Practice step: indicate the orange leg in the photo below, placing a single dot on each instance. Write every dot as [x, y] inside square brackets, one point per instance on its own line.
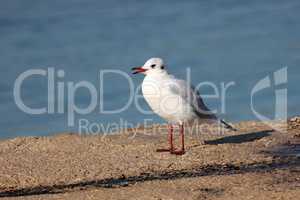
[170, 138]
[182, 150]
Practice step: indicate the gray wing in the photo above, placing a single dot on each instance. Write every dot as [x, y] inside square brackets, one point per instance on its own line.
[190, 95]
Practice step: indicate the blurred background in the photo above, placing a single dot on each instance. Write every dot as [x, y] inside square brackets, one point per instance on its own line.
[221, 41]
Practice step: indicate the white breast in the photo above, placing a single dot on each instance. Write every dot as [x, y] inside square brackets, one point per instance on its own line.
[167, 104]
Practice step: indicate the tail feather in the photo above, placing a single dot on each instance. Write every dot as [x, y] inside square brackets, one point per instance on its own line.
[228, 126]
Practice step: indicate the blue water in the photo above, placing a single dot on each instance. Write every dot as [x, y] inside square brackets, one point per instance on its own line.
[221, 41]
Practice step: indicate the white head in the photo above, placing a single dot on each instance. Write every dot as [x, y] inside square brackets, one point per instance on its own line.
[151, 66]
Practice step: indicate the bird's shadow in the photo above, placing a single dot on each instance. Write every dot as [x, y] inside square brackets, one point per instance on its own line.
[237, 139]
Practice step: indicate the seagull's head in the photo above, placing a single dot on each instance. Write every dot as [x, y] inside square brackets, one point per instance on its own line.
[151, 66]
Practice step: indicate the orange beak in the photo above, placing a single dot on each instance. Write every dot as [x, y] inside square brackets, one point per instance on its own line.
[137, 70]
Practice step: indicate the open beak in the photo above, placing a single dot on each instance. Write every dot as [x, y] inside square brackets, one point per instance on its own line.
[136, 70]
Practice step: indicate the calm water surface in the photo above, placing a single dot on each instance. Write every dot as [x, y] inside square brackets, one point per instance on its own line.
[240, 41]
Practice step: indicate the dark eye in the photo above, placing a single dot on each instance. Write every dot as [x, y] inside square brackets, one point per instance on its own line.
[153, 65]
[162, 67]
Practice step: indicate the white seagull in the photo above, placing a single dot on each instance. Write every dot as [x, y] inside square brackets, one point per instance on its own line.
[173, 99]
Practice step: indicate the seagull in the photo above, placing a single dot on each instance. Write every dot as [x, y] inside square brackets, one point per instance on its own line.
[173, 99]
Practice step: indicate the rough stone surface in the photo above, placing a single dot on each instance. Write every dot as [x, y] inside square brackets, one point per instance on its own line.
[256, 162]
